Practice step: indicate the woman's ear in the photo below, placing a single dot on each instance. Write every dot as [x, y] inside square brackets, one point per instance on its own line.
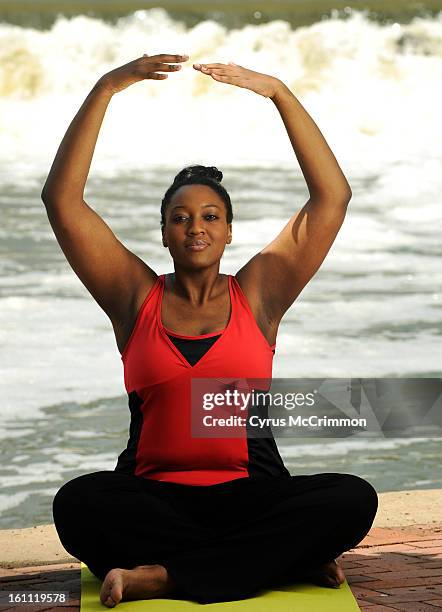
[229, 234]
[163, 238]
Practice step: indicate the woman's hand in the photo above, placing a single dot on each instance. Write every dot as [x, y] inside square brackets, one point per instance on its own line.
[146, 67]
[262, 84]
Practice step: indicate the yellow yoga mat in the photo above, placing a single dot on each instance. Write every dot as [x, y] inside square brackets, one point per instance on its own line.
[297, 598]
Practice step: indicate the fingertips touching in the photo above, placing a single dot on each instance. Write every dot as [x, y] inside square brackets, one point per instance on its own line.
[201, 68]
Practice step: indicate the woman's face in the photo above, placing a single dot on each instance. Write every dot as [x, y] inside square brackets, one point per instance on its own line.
[196, 229]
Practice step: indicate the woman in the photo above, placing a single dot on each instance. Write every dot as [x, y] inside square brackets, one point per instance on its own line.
[210, 519]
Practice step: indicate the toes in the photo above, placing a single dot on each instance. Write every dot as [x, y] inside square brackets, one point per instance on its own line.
[106, 599]
[110, 603]
[111, 589]
[339, 573]
[329, 575]
[326, 580]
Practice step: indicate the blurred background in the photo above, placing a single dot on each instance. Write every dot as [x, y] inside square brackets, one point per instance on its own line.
[369, 73]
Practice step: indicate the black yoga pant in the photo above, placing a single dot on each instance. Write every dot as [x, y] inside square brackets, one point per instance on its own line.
[220, 542]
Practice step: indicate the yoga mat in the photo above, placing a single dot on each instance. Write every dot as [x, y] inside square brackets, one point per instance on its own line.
[299, 597]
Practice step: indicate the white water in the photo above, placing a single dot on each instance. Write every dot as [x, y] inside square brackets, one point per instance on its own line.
[375, 90]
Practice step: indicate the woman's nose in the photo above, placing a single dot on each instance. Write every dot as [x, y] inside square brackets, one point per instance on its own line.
[196, 226]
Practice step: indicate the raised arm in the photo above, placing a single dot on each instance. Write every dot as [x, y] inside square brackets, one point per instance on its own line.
[112, 274]
[275, 276]
[283, 268]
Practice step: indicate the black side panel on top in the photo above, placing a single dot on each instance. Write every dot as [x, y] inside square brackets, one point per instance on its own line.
[126, 460]
[264, 457]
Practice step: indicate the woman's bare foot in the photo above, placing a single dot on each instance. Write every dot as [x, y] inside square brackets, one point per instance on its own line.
[141, 582]
[329, 574]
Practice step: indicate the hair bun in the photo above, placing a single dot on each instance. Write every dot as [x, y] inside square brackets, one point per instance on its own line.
[210, 172]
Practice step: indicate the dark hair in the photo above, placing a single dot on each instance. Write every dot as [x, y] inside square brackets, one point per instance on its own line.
[199, 175]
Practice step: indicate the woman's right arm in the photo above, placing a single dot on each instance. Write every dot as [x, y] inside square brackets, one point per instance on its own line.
[111, 273]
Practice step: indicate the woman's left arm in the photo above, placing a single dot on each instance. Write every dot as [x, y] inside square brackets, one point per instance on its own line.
[278, 273]
[295, 255]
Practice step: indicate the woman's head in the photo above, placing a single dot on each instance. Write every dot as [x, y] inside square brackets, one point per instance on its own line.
[196, 217]
[198, 175]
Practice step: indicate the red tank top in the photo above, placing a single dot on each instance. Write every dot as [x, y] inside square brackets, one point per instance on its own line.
[158, 379]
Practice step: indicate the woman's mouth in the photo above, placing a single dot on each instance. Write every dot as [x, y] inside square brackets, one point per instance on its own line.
[196, 245]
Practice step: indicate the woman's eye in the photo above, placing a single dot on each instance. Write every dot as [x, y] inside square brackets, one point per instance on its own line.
[181, 218]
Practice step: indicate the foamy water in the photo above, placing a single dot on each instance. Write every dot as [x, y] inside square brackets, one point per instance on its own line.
[374, 309]
[374, 90]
